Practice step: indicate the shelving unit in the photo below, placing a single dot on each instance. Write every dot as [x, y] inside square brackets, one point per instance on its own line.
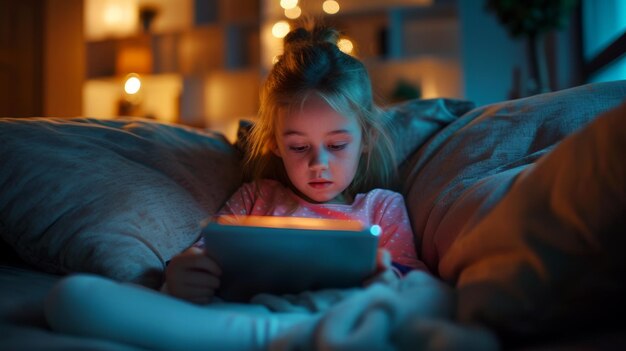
[181, 65]
[415, 42]
[206, 68]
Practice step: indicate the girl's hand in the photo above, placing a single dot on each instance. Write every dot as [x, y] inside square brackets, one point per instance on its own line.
[193, 276]
[384, 270]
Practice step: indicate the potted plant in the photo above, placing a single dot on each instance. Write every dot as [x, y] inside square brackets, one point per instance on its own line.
[532, 19]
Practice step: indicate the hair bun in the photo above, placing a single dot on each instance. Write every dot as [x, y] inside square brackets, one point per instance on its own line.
[301, 36]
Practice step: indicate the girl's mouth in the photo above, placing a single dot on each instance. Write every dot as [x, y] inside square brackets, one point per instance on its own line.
[320, 184]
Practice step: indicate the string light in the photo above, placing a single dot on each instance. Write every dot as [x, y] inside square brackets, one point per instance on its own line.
[288, 4]
[345, 45]
[331, 7]
[280, 29]
[293, 13]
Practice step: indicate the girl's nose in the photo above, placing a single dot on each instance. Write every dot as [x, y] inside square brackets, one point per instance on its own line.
[319, 160]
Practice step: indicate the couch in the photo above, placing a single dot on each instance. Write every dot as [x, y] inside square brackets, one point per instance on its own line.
[518, 206]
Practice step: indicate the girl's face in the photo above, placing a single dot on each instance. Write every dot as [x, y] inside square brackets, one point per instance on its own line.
[320, 149]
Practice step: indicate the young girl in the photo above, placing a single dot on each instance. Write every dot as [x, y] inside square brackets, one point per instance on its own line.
[318, 150]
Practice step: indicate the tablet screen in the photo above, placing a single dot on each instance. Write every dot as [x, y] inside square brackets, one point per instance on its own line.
[289, 255]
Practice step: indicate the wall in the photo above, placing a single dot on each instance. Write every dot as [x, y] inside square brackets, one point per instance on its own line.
[21, 38]
[491, 57]
[64, 58]
[435, 76]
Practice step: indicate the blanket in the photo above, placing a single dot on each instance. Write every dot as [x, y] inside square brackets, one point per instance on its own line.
[416, 312]
[397, 314]
[548, 258]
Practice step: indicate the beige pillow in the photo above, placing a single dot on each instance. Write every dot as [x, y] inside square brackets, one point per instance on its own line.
[117, 198]
[549, 258]
[466, 168]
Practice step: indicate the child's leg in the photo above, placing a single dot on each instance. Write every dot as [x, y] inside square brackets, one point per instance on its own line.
[93, 306]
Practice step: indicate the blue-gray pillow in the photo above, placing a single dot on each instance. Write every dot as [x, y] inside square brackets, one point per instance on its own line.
[115, 197]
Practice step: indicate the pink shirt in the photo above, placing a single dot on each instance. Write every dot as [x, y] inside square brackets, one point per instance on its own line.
[382, 207]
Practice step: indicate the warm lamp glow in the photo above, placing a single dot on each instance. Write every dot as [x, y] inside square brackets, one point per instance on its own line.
[115, 15]
[132, 84]
[293, 13]
[271, 45]
[280, 29]
[107, 18]
[345, 45]
[331, 7]
[134, 59]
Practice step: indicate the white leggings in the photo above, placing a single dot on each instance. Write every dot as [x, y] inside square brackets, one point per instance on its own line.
[97, 307]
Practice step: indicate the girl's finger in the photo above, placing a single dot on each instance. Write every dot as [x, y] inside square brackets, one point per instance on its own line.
[383, 259]
[200, 279]
[196, 258]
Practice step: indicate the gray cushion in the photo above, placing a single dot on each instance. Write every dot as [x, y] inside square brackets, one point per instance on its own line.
[117, 197]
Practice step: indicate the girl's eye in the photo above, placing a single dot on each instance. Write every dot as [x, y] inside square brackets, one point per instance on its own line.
[337, 147]
[299, 148]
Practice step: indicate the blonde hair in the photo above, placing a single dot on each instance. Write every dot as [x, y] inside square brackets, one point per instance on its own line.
[313, 64]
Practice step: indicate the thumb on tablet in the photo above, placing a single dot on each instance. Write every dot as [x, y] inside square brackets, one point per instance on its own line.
[383, 260]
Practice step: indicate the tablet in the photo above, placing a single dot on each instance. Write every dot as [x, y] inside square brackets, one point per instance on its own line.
[288, 255]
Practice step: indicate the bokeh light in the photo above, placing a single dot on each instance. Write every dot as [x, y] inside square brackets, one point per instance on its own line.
[280, 29]
[331, 7]
[288, 4]
[293, 13]
[132, 84]
[345, 45]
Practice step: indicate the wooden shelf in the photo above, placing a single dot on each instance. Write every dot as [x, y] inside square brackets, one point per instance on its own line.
[224, 35]
[197, 51]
